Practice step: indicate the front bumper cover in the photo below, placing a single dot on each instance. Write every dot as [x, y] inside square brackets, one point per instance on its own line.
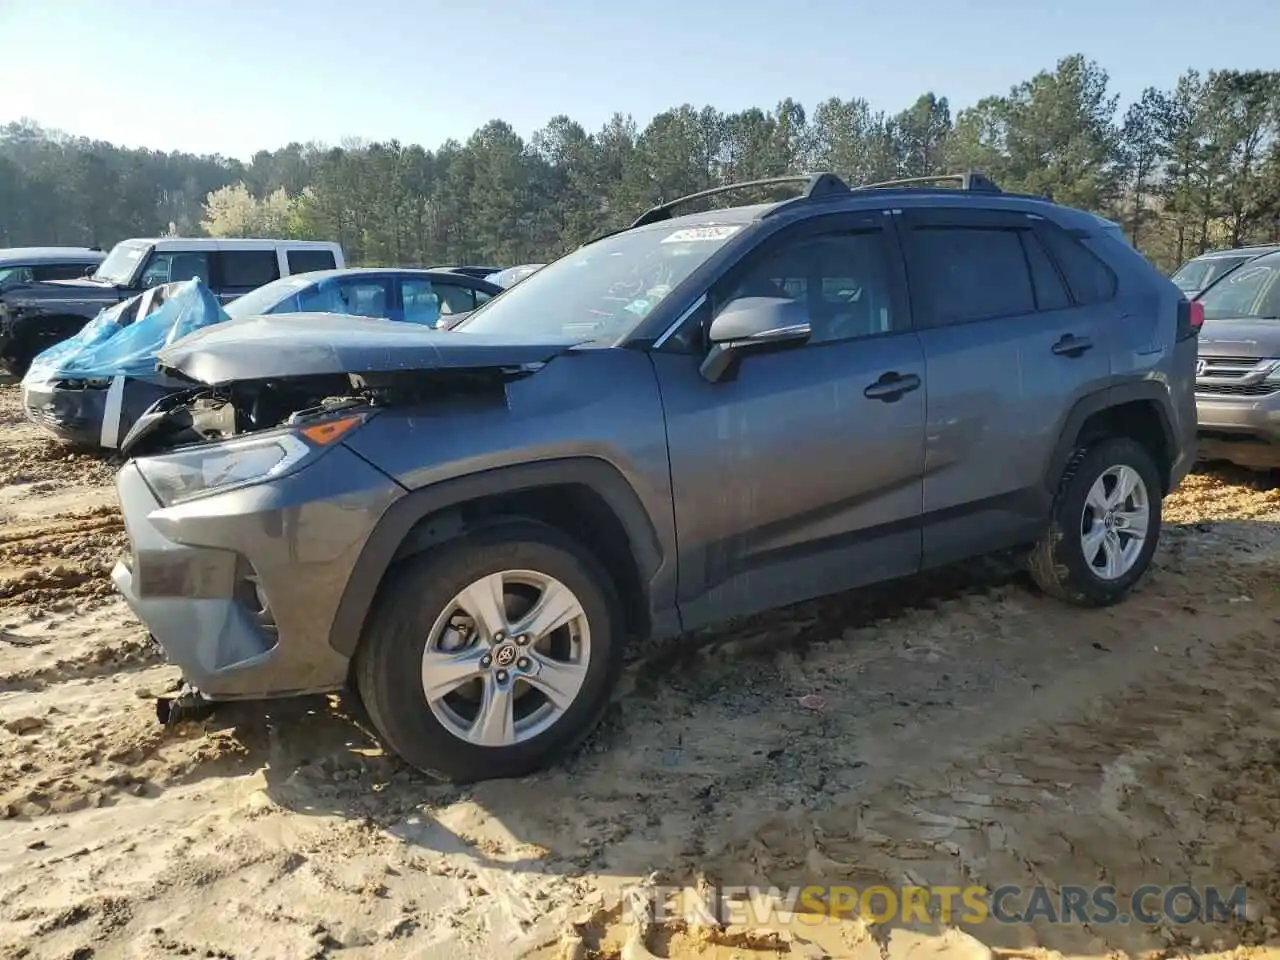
[1241, 430]
[298, 537]
[91, 416]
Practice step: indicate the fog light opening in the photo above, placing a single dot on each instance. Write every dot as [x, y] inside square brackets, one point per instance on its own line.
[252, 597]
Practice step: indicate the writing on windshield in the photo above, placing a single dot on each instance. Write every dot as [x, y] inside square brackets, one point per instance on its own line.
[603, 290]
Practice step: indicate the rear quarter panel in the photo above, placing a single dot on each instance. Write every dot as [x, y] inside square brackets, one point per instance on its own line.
[1145, 345]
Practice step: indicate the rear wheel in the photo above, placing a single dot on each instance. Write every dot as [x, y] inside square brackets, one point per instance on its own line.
[1104, 527]
[492, 655]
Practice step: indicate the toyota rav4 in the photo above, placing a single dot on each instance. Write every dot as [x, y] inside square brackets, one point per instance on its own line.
[691, 419]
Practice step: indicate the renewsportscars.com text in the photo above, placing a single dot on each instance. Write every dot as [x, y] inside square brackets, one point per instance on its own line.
[1010, 903]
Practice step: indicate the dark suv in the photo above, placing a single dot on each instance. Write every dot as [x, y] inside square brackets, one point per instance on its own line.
[22, 266]
[691, 419]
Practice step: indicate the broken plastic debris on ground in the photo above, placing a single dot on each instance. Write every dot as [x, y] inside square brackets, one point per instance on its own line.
[954, 729]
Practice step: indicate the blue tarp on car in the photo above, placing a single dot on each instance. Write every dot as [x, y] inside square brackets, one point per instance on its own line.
[117, 343]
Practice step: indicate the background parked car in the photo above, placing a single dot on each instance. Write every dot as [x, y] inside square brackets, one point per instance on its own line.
[32, 318]
[513, 275]
[415, 296]
[470, 271]
[1238, 372]
[1199, 273]
[92, 388]
[20, 266]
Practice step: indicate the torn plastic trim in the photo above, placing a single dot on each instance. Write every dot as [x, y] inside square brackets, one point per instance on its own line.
[189, 704]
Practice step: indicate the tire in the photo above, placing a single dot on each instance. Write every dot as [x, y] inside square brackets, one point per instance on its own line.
[419, 592]
[1058, 563]
[17, 361]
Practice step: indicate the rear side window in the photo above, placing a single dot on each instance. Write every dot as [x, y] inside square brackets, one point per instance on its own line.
[454, 299]
[969, 274]
[1090, 280]
[61, 271]
[1050, 292]
[304, 261]
[248, 268]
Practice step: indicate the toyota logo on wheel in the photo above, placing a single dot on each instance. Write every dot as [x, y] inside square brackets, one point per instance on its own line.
[505, 656]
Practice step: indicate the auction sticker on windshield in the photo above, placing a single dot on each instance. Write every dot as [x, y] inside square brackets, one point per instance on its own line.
[697, 234]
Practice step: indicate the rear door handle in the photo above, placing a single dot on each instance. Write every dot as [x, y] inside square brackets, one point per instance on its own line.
[891, 386]
[1072, 346]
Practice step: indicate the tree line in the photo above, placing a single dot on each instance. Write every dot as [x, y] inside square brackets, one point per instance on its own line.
[1183, 170]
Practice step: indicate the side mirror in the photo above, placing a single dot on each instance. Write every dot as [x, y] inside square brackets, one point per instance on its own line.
[753, 324]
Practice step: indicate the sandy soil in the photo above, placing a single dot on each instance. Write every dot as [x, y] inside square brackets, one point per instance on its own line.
[954, 729]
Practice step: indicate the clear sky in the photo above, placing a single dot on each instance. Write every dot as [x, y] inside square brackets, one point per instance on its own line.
[234, 76]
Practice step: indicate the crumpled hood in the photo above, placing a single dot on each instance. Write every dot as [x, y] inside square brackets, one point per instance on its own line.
[1240, 338]
[317, 344]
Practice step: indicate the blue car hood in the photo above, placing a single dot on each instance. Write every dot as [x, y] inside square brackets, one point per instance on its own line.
[317, 344]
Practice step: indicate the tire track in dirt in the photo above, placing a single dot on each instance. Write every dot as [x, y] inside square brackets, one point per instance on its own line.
[60, 560]
[41, 460]
[127, 654]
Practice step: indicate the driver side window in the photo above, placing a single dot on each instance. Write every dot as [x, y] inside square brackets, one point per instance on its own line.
[172, 266]
[842, 279]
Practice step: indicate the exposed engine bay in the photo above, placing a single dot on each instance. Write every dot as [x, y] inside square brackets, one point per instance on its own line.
[205, 414]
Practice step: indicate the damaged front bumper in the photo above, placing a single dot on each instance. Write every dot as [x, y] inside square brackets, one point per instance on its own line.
[91, 413]
[240, 588]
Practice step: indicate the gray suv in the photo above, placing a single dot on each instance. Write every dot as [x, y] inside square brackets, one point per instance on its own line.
[694, 418]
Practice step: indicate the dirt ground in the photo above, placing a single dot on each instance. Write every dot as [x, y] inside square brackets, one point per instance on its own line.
[956, 729]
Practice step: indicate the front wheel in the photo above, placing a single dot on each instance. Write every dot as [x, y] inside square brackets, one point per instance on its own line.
[492, 655]
[1104, 527]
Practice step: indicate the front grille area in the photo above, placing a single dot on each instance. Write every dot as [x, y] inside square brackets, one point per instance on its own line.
[1237, 389]
[46, 417]
[1248, 363]
[1235, 377]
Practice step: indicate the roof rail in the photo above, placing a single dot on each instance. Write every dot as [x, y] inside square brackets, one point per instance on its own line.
[817, 186]
[971, 181]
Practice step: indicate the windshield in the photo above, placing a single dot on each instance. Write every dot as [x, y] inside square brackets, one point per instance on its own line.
[1197, 274]
[121, 262]
[258, 302]
[1252, 292]
[603, 290]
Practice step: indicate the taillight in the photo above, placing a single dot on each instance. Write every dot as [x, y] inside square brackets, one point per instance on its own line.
[1190, 318]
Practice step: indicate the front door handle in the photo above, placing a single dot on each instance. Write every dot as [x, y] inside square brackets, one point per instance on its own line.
[891, 386]
[1072, 346]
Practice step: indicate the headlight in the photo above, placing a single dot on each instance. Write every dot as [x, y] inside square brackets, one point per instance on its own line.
[226, 465]
[187, 474]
